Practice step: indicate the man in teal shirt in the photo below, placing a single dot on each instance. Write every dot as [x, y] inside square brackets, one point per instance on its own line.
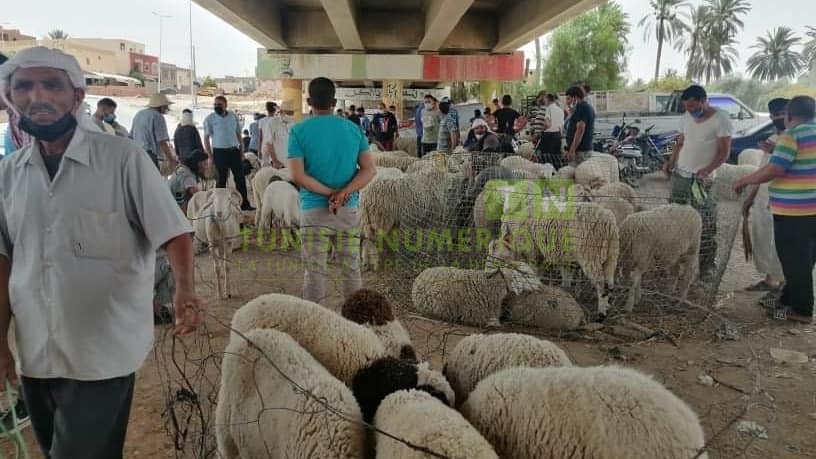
[330, 161]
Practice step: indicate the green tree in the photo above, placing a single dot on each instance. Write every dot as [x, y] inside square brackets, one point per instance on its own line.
[670, 82]
[135, 73]
[209, 82]
[809, 50]
[58, 34]
[691, 42]
[710, 46]
[590, 48]
[666, 23]
[539, 62]
[775, 57]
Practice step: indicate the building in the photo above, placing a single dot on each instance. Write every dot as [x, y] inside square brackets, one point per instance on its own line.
[120, 48]
[236, 85]
[169, 75]
[91, 59]
[184, 78]
[14, 35]
[145, 64]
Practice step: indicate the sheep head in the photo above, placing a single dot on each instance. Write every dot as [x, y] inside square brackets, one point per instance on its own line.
[221, 202]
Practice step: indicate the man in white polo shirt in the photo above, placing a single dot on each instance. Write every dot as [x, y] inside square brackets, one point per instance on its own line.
[275, 136]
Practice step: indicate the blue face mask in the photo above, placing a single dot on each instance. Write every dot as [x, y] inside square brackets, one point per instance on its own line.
[110, 118]
[697, 114]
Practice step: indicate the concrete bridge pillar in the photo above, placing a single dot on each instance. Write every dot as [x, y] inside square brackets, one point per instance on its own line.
[392, 95]
[292, 93]
[488, 90]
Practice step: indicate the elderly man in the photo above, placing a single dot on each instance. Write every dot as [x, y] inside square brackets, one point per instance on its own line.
[275, 136]
[76, 261]
[480, 138]
[149, 131]
[105, 118]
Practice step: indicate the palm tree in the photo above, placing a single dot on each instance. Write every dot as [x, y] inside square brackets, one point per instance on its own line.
[809, 50]
[57, 34]
[725, 15]
[691, 43]
[711, 45]
[718, 57]
[775, 59]
[667, 24]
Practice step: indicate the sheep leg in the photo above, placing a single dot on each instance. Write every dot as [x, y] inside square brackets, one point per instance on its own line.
[686, 276]
[227, 447]
[603, 297]
[214, 255]
[263, 223]
[566, 276]
[226, 245]
[634, 292]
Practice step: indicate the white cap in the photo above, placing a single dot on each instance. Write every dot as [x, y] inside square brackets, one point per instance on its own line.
[479, 122]
[40, 56]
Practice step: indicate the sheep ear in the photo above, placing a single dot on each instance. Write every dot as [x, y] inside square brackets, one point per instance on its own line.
[236, 198]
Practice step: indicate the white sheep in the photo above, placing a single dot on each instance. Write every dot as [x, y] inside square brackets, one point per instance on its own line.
[467, 296]
[751, 157]
[262, 178]
[610, 190]
[526, 150]
[665, 237]
[406, 144]
[379, 209]
[597, 170]
[280, 209]
[583, 413]
[544, 171]
[216, 218]
[340, 345]
[588, 236]
[428, 164]
[417, 417]
[398, 159]
[272, 403]
[726, 176]
[548, 307]
[566, 172]
[478, 356]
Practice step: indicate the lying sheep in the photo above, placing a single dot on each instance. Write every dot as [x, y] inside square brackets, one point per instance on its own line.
[478, 356]
[589, 237]
[372, 309]
[666, 237]
[216, 219]
[387, 375]
[583, 413]
[726, 176]
[417, 417]
[466, 296]
[272, 403]
[544, 171]
[548, 308]
[340, 345]
[280, 209]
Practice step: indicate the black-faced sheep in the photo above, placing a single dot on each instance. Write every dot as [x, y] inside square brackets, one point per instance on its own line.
[419, 418]
[582, 413]
[478, 356]
[271, 403]
[373, 310]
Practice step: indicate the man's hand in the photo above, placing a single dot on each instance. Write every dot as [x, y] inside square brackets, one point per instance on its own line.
[570, 155]
[740, 185]
[668, 167]
[704, 173]
[767, 146]
[277, 164]
[338, 200]
[8, 371]
[189, 311]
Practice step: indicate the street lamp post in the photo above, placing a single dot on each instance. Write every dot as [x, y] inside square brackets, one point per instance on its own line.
[192, 58]
[160, 16]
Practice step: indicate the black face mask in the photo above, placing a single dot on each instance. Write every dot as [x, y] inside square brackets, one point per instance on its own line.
[48, 132]
[779, 124]
[219, 110]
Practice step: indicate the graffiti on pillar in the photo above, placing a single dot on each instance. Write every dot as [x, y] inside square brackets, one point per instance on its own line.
[377, 93]
[391, 90]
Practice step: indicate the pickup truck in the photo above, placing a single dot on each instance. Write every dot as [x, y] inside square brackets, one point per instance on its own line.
[669, 118]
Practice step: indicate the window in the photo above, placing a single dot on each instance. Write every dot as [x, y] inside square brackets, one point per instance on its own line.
[121, 46]
[734, 109]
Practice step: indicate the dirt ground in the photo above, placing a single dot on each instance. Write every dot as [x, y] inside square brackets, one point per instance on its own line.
[748, 383]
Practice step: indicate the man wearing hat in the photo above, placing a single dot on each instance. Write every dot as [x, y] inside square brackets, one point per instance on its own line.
[480, 138]
[82, 214]
[149, 131]
[275, 135]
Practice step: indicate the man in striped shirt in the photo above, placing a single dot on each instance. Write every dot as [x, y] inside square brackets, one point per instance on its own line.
[792, 173]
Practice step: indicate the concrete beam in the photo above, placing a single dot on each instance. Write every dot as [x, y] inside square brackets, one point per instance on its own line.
[529, 19]
[440, 19]
[259, 20]
[342, 17]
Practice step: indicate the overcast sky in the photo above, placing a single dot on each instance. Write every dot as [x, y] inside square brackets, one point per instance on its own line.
[220, 49]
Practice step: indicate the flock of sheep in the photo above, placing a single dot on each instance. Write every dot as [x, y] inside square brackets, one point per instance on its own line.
[302, 381]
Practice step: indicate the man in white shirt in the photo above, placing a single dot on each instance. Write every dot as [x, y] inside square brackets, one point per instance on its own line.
[549, 145]
[703, 146]
[274, 140]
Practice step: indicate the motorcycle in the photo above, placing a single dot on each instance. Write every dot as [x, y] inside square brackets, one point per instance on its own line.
[638, 153]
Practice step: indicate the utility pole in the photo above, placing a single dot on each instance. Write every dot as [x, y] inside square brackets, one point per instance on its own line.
[192, 58]
[160, 16]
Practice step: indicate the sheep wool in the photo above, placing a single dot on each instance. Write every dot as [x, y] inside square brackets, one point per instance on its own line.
[465, 296]
[726, 176]
[373, 310]
[400, 160]
[280, 208]
[422, 420]
[478, 356]
[566, 172]
[750, 157]
[548, 307]
[596, 172]
[340, 345]
[582, 413]
[294, 425]
[665, 237]
[620, 207]
[379, 209]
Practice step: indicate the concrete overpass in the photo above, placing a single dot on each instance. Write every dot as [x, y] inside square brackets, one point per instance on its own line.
[396, 26]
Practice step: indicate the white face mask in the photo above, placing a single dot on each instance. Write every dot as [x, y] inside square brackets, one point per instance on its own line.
[428, 106]
[479, 136]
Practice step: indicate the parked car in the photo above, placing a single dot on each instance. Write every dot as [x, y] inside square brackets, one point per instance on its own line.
[750, 138]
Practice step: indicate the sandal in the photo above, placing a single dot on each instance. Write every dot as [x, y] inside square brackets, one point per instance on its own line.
[770, 300]
[787, 313]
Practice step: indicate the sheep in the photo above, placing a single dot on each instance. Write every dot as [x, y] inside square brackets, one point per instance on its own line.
[254, 161]
[620, 207]
[589, 236]
[406, 144]
[398, 159]
[372, 309]
[544, 171]
[262, 178]
[617, 197]
[726, 176]
[417, 417]
[467, 296]
[387, 375]
[566, 172]
[388, 172]
[340, 345]
[666, 236]
[379, 209]
[526, 150]
[280, 208]
[751, 157]
[597, 171]
[272, 403]
[478, 356]
[427, 164]
[548, 307]
[216, 218]
[612, 190]
[583, 413]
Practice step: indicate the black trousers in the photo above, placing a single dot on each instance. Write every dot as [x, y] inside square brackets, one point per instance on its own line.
[795, 239]
[419, 146]
[226, 160]
[154, 158]
[79, 419]
[549, 148]
[427, 148]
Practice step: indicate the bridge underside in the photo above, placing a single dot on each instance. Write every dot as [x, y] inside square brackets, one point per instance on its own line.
[396, 26]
